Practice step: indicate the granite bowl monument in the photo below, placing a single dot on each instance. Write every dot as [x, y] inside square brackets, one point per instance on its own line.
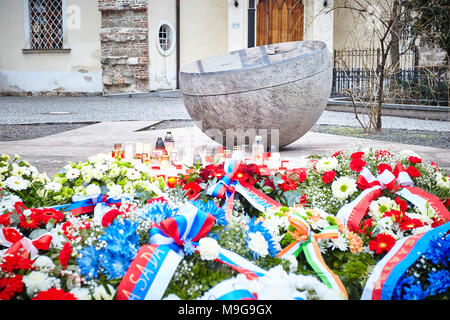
[278, 91]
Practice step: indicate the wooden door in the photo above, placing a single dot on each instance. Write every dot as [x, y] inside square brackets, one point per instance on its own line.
[279, 21]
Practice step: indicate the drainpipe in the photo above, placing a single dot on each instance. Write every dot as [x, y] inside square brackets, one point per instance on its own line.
[251, 24]
[178, 41]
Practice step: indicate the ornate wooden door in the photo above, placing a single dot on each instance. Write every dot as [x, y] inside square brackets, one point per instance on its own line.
[279, 21]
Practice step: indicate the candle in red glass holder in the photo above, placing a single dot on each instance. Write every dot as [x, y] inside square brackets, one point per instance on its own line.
[172, 182]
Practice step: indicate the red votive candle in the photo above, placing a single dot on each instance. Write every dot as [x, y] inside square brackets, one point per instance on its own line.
[172, 182]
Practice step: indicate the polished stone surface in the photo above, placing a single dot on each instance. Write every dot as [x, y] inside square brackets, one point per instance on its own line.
[278, 91]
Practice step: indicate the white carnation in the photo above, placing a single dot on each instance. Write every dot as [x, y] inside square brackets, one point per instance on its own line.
[53, 186]
[133, 174]
[92, 190]
[72, 173]
[208, 248]
[258, 244]
[101, 294]
[81, 293]
[442, 181]
[115, 191]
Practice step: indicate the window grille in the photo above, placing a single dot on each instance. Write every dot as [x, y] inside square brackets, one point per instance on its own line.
[46, 24]
[165, 37]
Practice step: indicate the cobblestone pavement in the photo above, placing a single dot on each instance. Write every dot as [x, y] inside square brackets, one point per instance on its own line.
[26, 110]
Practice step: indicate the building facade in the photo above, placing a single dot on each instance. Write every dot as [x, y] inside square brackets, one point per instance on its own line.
[70, 47]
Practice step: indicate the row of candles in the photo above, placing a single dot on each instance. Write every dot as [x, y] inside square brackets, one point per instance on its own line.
[167, 160]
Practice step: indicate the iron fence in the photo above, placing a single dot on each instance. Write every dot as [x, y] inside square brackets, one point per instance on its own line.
[357, 72]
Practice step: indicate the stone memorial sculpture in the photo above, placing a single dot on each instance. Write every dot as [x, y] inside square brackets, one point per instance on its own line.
[278, 91]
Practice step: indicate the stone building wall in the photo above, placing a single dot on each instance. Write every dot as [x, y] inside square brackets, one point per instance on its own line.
[124, 46]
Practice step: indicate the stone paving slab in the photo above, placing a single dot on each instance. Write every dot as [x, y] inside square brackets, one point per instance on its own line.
[53, 152]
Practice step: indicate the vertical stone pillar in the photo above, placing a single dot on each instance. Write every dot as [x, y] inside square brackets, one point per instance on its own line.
[124, 45]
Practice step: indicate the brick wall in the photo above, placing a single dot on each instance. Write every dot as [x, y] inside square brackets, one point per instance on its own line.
[124, 45]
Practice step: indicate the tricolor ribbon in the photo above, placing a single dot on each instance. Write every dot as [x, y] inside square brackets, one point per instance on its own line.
[229, 289]
[86, 204]
[153, 267]
[228, 185]
[398, 182]
[387, 272]
[306, 242]
[15, 242]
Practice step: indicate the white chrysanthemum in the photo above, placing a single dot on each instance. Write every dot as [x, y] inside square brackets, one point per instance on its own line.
[208, 248]
[421, 229]
[128, 188]
[385, 224]
[133, 174]
[44, 263]
[326, 164]
[101, 294]
[72, 173]
[81, 293]
[378, 207]
[258, 244]
[343, 187]
[16, 183]
[92, 190]
[115, 191]
[293, 263]
[42, 178]
[53, 186]
[340, 243]
[87, 177]
[3, 169]
[422, 217]
[19, 171]
[79, 191]
[442, 181]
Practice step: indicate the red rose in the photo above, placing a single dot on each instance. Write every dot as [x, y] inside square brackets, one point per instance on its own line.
[54, 294]
[193, 189]
[328, 176]
[109, 217]
[384, 166]
[357, 155]
[413, 172]
[382, 242]
[357, 165]
[64, 255]
[414, 159]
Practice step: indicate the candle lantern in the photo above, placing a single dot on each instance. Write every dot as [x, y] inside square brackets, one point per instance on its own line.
[169, 142]
[139, 150]
[165, 161]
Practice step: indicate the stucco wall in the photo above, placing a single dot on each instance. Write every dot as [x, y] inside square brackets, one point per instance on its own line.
[204, 29]
[76, 71]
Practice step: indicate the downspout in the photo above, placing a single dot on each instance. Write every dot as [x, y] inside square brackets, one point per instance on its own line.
[178, 41]
[251, 24]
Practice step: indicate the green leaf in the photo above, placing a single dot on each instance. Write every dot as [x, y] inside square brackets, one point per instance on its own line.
[37, 233]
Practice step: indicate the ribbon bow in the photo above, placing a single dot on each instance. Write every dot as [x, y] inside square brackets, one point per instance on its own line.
[11, 238]
[398, 182]
[306, 241]
[228, 186]
[86, 204]
[189, 226]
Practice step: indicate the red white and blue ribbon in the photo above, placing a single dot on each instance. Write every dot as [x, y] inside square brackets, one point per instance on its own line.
[18, 244]
[152, 269]
[387, 272]
[229, 289]
[86, 204]
[398, 182]
[228, 186]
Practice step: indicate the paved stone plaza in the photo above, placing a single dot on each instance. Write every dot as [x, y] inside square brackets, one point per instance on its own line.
[120, 118]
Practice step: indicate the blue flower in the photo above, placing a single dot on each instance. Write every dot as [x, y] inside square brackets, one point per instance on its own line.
[89, 262]
[254, 227]
[402, 282]
[115, 264]
[211, 208]
[122, 245]
[439, 282]
[189, 247]
[158, 211]
[438, 250]
[414, 292]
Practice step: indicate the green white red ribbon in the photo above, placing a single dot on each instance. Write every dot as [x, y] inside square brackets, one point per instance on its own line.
[307, 243]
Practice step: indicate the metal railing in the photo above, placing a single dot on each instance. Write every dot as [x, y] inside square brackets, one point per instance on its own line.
[357, 72]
